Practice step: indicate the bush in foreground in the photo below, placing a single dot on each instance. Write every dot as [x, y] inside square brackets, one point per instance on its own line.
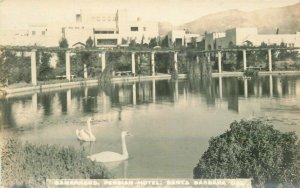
[29, 165]
[252, 149]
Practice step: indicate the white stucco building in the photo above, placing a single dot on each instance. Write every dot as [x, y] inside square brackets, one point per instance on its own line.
[178, 38]
[242, 36]
[106, 30]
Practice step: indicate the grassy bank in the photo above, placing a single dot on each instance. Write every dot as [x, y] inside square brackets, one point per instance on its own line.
[30, 165]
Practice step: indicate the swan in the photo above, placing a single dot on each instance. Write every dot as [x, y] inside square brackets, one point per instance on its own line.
[108, 156]
[86, 135]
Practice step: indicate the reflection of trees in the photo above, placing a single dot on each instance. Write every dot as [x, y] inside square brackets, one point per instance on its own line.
[62, 96]
[46, 101]
[205, 86]
[232, 90]
[6, 116]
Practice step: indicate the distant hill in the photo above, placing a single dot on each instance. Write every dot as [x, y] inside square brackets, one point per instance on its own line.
[287, 19]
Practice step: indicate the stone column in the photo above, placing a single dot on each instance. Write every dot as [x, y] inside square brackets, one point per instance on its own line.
[33, 68]
[133, 63]
[153, 63]
[175, 62]
[219, 61]
[270, 60]
[68, 66]
[134, 94]
[103, 63]
[245, 59]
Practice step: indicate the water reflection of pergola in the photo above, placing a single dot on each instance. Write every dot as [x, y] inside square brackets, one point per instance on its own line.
[138, 53]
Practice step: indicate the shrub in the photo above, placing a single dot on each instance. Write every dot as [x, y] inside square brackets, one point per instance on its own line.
[250, 72]
[252, 149]
[29, 165]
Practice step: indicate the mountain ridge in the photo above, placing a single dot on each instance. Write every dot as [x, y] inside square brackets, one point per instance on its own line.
[267, 20]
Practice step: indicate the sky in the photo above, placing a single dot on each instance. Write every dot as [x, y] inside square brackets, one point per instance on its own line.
[17, 14]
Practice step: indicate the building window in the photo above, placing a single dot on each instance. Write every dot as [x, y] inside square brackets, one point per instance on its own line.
[103, 32]
[134, 29]
[33, 32]
[78, 17]
[144, 28]
[43, 32]
[107, 41]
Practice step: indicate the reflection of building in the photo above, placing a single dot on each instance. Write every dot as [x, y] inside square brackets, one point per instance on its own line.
[248, 36]
[105, 30]
[180, 38]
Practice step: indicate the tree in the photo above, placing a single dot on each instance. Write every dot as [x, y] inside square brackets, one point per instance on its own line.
[252, 149]
[63, 43]
[142, 41]
[124, 41]
[4, 69]
[45, 72]
[153, 43]
[164, 42]
[132, 43]
[89, 43]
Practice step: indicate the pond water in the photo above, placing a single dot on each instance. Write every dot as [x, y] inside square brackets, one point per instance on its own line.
[171, 121]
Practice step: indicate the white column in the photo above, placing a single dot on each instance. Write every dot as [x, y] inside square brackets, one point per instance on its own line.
[270, 60]
[134, 93]
[85, 74]
[68, 66]
[197, 59]
[246, 88]
[221, 87]
[103, 63]
[176, 62]
[153, 63]
[271, 85]
[245, 59]
[133, 63]
[219, 61]
[153, 91]
[33, 68]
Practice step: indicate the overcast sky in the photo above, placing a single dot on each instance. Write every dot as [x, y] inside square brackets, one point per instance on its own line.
[16, 14]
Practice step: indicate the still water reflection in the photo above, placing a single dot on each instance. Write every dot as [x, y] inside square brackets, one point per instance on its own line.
[171, 121]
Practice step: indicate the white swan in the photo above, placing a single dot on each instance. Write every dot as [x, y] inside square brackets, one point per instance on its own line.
[86, 135]
[108, 156]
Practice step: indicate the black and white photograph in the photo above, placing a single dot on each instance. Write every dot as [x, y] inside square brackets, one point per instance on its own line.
[149, 93]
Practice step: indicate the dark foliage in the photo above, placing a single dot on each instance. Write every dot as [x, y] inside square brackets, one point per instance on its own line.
[252, 149]
[29, 165]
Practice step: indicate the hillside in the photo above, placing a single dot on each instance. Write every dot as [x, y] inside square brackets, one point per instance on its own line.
[287, 19]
